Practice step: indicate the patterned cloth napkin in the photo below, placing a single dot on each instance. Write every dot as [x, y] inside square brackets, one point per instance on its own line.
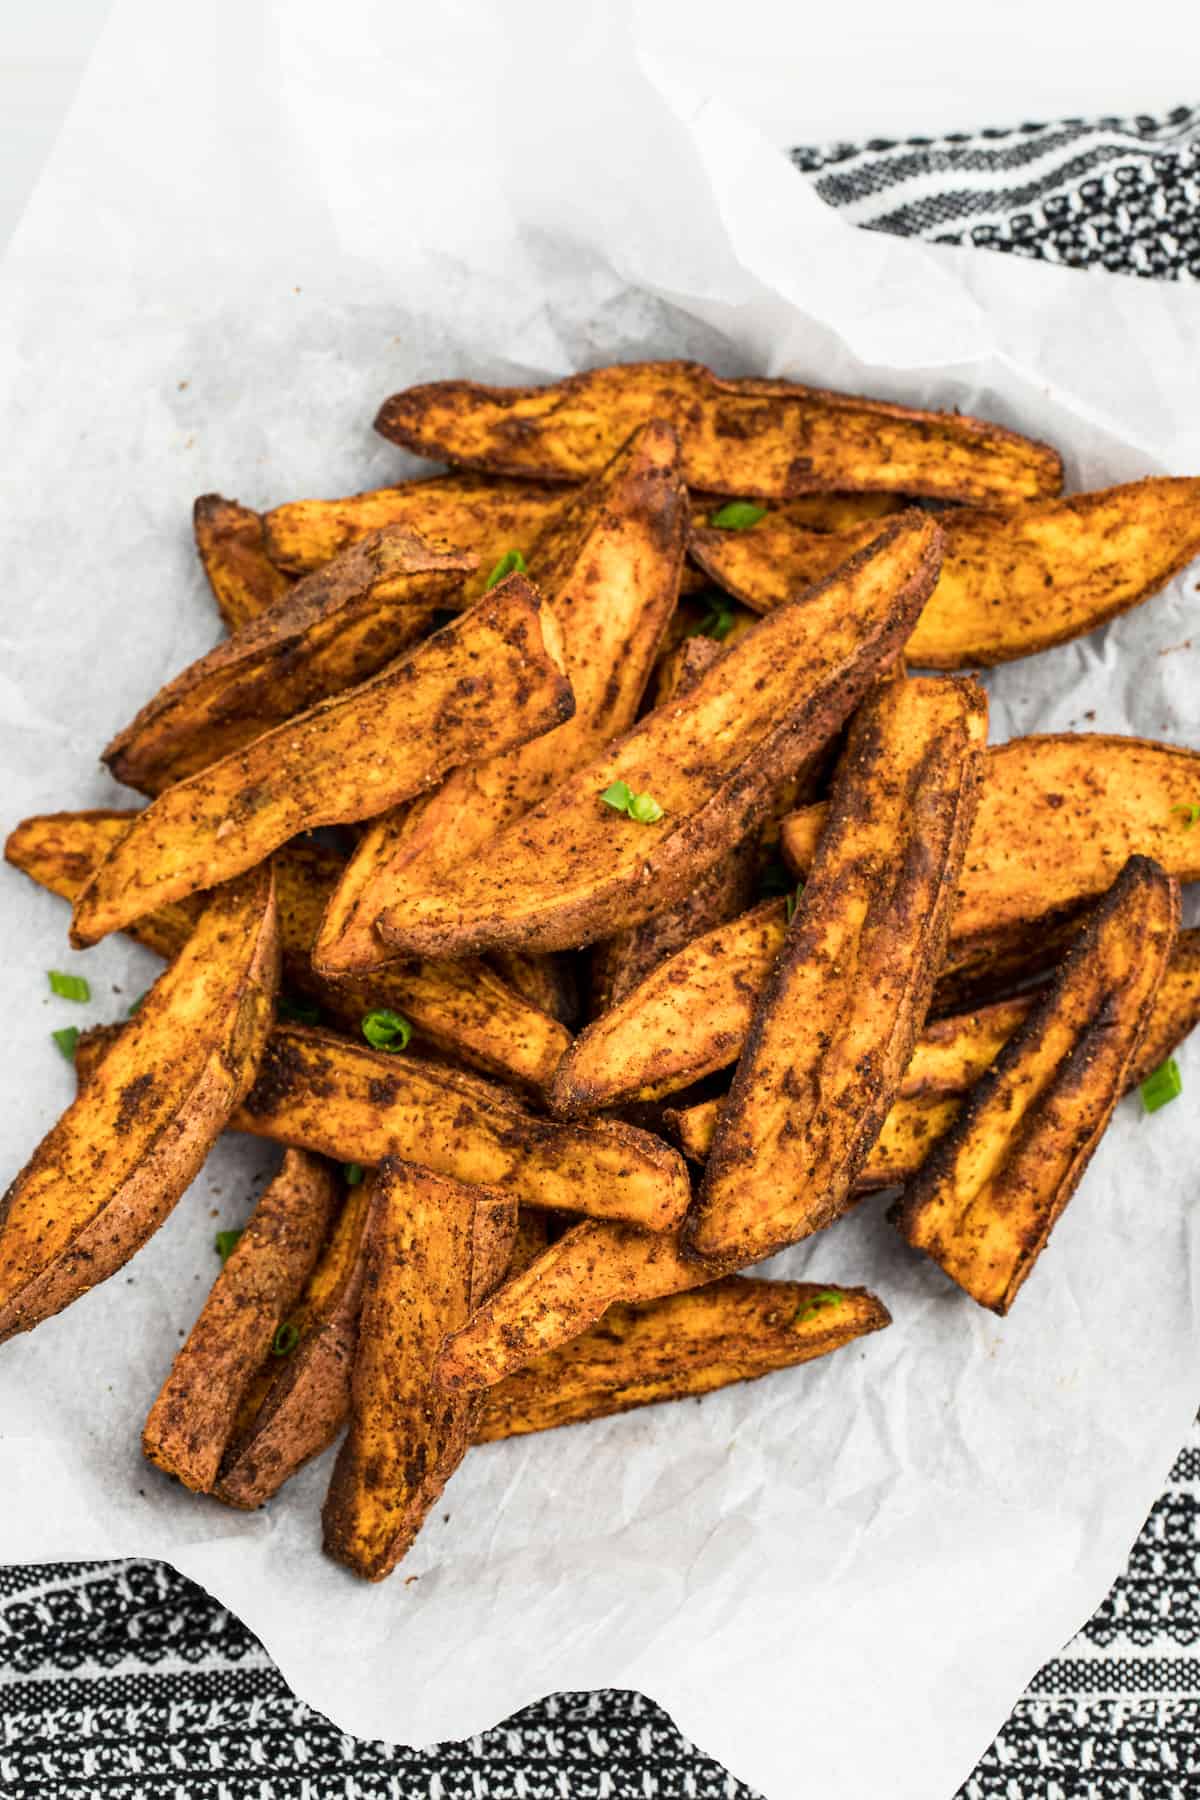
[124, 1681]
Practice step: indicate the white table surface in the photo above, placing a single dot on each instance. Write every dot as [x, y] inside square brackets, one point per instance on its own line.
[805, 74]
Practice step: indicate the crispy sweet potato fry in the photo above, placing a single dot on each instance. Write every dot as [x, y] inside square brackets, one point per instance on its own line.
[609, 571]
[985, 1202]
[1058, 818]
[837, 1021]
[335, 629]
[244, 580]
[343, 1100]
[1012, 583]
[488, 679]
[194, 1416]
[686, 1344]
[909, 1131]
[772, 438]
[811, 512]
[575, 869]
[104, 1179]
[406, 1438]
[463, 1008]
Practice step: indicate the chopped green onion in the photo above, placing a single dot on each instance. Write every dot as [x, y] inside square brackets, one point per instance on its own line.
[717, 622]
[386, 1030]
[285, 1339]
[68, 987]
[642, 808]
[738, 515]
[1165, 1085]
[511, 563]
[792, 902]
[135, 1004]
[1191, 813]
[224, 1243]
[826, 1297]
[66, 1038]
[300, 1012]
[353, 1173]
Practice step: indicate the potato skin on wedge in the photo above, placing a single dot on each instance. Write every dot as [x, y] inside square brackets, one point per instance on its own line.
[193, 1418]
[244, 580]
[836, 1024]
[487, 680]
[777, 439]
[406, 1438]
[985, 1202]
[672, 1349]
[575, 869]
[333, 630]
[106, 1176]
[353, 1104]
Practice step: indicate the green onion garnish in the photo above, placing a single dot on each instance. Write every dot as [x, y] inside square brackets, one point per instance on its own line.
[792, 902]
[738, 515]
[511, 563]
[386, 1030]
[717, 622]
[826, 1297]
[1191, 813]
[1165, 1085]
[300, 1012]
[68, 987]
[135, 1004]
[643, 808]
[353, 1173]
[224, 1243]
[285, 1339]
[66, 1037]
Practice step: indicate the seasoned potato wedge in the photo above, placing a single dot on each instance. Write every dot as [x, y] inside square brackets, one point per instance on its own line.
[244, 580]
[986, 1200]
[463, 1009]
[576, 869]
[678, 1347]
[1058, 818]
[487, 680]
[405, 1439]
[1012, 583]
[343, 1100]
[837, 1021]
[335, 629]
[911, 1128]
[772, 438]
[609, 573]
[297, 1404]
[104, 1179]
[193, 1418]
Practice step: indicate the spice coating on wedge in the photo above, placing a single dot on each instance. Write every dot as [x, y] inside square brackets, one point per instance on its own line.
[333, 630]
[840, 1014]
[487, 680]
[985, 1202]
[579, 868]
[106, 1176]
[343, 1100]
[193, 1418]
[233, 552]
[747, 437]
[686, 1344]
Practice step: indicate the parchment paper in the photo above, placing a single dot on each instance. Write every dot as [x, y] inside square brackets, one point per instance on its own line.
[259, 221]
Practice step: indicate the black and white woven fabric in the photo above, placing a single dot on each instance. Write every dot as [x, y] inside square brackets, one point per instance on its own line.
[123, 1681]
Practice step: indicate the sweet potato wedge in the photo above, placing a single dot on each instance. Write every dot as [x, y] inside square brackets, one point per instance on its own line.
[985, 1202]
[608, 571]
[334, 630]
[106, 1176]
[244, 580]
[771, 438]
[405, 1438]
[463, 1009]
[678, 1347]
[811, 512]
[1012, 583]
[575, 869]
[487, 680]
[1058, 818]
[837, 1021]
[193, 1418]
[324, 1093]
